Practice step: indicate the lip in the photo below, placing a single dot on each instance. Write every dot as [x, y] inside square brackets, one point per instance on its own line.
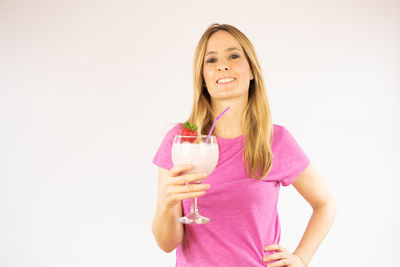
[225, 78]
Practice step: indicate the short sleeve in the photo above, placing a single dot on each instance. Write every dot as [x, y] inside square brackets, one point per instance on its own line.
[293, 159]
[163, 157]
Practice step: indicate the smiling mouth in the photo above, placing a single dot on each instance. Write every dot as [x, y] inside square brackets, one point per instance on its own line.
[226, 80]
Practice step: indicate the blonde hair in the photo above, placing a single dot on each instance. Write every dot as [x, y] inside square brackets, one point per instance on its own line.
[257, 153]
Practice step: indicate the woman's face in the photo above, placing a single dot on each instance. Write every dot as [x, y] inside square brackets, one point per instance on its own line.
[226, 71]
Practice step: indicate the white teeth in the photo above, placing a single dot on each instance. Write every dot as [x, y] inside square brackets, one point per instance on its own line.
[225, 80]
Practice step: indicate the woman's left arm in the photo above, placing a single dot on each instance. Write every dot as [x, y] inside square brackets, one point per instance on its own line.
[316, 192]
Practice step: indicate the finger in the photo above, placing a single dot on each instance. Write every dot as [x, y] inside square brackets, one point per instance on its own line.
[275, 247]
[190, 195]
[194, 177]
[188, 178]
[178, 169]
[191, 188]
[283, 262]
[275, 256]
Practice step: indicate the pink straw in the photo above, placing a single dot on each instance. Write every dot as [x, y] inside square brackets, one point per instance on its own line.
[212, 127]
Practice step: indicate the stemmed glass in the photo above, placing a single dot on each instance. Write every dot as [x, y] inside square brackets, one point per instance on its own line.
[203, 156]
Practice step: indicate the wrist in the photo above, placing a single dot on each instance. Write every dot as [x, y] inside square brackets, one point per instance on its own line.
[164, 208]
[300, 258]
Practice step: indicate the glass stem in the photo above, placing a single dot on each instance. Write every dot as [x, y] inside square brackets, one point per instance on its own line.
[193, 206]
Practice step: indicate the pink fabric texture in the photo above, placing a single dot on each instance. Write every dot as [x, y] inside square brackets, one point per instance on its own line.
[243, 210]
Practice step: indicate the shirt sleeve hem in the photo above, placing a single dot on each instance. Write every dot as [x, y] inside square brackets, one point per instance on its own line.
[162, 165]
[289, 180]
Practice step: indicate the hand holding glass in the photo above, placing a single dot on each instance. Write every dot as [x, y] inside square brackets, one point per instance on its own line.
[203, 156]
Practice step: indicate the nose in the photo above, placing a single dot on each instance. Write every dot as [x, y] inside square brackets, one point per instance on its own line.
[223, 65]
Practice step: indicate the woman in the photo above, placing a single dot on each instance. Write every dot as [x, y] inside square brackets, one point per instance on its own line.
[241, 194]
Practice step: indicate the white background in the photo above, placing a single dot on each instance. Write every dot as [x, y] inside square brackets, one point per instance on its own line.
[87, 89]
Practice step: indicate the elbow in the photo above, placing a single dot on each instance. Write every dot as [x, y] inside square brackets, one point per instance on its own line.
[166, 249]
[330, 205]
[170, 245]
[165, 243]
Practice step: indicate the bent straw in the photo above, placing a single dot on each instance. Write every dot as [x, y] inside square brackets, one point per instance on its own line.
[212, 127]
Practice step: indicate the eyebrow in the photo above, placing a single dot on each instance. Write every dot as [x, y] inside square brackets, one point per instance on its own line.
[228, 49]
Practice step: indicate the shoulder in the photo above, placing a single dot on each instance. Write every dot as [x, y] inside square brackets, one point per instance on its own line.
[282, 137]
[284, 140]
[162, 157]
[173, 129]
[277, 128]
[169, 133]
[279, 132]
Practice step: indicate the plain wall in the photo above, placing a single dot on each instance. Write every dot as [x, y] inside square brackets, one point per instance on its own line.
[87, 89]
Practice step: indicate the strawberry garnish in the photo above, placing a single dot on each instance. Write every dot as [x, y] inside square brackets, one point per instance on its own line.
[188, 130]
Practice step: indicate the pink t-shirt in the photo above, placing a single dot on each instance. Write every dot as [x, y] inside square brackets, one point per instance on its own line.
[243, 210]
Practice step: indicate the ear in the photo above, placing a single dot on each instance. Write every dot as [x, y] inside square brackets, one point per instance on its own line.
[251, 75]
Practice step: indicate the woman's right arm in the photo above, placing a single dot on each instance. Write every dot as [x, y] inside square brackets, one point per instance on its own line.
[167, 230]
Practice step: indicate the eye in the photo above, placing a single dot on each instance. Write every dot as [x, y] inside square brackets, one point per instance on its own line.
[211, 60]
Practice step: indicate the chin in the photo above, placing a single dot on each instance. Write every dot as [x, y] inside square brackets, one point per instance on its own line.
[228, 95]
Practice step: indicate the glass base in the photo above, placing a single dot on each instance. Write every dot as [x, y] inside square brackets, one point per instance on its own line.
[194, 218]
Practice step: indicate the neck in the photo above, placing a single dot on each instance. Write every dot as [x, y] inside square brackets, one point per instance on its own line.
[229, 125]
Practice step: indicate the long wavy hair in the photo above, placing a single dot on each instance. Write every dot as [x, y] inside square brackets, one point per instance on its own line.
[256, 118]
